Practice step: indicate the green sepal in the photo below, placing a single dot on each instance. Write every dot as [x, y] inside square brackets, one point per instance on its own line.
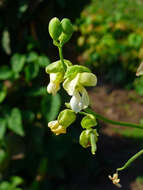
[66, 117]
[67, 26]
[88, 122]
[55, 28]
[73, 70]
[57, 66]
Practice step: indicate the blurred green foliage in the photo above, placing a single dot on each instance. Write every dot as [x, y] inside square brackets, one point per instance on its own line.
[111, 38]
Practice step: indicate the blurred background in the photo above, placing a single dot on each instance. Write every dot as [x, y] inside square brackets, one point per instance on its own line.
[108, 38]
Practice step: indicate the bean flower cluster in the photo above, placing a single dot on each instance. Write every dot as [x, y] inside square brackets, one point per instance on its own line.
[74, 79]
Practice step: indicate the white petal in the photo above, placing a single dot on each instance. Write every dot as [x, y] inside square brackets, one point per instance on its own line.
[84, 98]
[52, 88]
[70, 85]
[53, 123]
[53, 77]
[75, 102]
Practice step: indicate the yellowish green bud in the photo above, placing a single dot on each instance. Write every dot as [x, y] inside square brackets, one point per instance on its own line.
[67, 26]
[88, 138]
[55, 28]
[88, 122]
[66, 117]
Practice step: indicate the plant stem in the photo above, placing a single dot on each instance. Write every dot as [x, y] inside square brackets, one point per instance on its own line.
[119, 123]
[61, 57]
[133, 158]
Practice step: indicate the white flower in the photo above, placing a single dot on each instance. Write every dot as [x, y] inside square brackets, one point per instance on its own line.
[54, 85]
[79, 100]
[75, 88]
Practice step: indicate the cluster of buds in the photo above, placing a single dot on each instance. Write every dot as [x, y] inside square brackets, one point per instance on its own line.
[74, 79]
[60, 31]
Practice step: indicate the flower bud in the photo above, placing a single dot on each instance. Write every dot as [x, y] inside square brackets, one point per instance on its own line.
[56, 127]
[84, 138]
[55, 28]
[66, 117]
[88, 138]
[67, 26]
[64, 38]
[88, 121]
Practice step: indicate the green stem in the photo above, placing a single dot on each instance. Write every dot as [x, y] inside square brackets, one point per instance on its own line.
[119, 123]
[61, 57]
[132, 159]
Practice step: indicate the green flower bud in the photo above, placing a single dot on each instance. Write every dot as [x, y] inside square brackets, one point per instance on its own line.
[88, 122]
[66, 117]
[57, 66]
[67, 26]
[88, 138]
[84, 138]
[64, 38]
[55, 28]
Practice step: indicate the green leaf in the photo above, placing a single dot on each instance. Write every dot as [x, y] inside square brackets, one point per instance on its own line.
[16, 180]
[15, 122]
[50, 106]
[3, 94]
[28, 116]
[43, 61]
[17, 62]
[39, 91]
[2, 128]
[31, 71]
[55, 107]
[5, 185]
[3, 156]
[32, 57]
[5, 73]
[73, 70]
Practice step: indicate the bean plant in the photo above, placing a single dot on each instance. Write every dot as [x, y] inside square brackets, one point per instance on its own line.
[75, 79]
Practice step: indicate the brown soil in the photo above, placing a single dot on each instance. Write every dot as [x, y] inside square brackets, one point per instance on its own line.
[119, 105]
